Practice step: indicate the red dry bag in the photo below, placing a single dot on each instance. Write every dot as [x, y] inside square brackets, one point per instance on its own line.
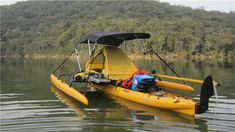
[128, 82]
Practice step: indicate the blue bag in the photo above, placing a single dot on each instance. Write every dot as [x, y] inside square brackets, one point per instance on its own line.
[142, 82]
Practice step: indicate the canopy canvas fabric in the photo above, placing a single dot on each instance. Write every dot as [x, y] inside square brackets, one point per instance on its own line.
[112, 38]
[113, 63]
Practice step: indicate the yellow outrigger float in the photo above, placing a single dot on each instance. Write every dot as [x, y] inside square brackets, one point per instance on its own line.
[110, 65]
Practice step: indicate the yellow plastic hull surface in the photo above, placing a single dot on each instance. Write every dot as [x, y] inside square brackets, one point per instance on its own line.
[169, 101]
[180, 78]
[68, 90]
[173, 85]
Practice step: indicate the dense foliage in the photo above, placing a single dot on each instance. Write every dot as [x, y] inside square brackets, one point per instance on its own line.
[43, 27]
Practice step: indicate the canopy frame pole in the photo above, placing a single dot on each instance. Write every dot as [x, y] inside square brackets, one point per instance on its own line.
[140, 43]
[93, 49]
[89, 48]
[78, 58]
[142, 47]
[90, 63]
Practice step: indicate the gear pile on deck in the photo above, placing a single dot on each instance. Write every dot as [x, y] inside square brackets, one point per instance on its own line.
[109, 69]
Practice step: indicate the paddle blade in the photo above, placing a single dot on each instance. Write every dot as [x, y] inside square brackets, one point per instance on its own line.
[207, 91]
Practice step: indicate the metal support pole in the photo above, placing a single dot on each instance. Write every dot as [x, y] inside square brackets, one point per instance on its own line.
[142, 47]
[91, 61]
[78, 59]
[93, 50]
[89, 48]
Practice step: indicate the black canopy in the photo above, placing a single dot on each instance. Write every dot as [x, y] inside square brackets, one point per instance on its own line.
[112, 38]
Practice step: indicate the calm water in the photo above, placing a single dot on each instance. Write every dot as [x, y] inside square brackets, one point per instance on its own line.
[30, 103]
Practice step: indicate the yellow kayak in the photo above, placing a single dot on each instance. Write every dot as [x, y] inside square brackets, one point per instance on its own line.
[110, 66]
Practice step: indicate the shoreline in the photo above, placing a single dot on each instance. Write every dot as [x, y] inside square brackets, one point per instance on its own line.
[170, 57]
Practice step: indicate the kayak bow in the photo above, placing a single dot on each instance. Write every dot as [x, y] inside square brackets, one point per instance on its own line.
[68, 90]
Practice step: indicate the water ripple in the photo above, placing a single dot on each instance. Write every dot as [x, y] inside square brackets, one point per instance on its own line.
[52, 115]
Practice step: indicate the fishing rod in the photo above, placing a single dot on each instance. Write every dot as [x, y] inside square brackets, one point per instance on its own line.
[63, 61]
[152, 51]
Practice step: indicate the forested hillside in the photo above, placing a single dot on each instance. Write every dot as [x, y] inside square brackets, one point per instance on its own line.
[43, 27]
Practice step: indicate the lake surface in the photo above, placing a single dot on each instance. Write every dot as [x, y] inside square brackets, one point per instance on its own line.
[30, 103]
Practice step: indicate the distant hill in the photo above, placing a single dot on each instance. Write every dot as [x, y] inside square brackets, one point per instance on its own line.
[43, 27]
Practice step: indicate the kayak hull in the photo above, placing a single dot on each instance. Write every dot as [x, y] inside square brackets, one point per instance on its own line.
[68, 90]
[168, 101]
